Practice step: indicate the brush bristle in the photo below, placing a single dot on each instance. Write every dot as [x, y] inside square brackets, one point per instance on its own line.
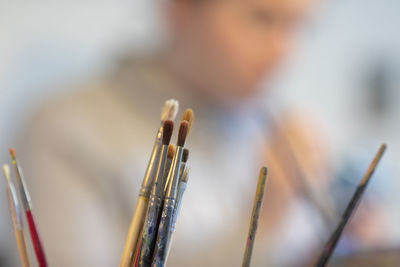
[185, 176]
[171, 151]
[6, 170]
[167, 131]
[183, 131]
[170, 110]
[188, 116]
[12, 153]
[185, 155]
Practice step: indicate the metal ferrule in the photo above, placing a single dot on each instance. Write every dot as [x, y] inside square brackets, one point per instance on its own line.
[152, 166]
[15, 209]
[157, 188]
[178, 203]
[25, 197]
[166, 172]
[182, 169]
[173, 175]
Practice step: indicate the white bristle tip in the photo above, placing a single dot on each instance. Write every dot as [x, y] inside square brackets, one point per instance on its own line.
[170, 110]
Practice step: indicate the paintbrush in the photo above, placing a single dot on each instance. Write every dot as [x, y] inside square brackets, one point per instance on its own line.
[258, 200]
[181, 190]
[163, 235]
[27, 204]
[331, 244]
[183, 179]
[155, 203]
[15, 211]
[168, 113]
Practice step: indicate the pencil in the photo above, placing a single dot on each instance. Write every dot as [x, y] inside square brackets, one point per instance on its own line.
[16, 217]
[331, 244]
[258, 200]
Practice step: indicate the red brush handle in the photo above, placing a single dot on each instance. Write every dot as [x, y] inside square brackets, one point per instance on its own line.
[138, 255]
[37, 245]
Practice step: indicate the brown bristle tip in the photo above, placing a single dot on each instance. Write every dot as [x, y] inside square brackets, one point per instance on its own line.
[168, 128]
[183, 131]
[188, 115]
[185, 155]
[12, 152]
[171, 151]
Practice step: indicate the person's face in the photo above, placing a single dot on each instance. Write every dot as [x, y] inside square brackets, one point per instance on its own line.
[225, 47]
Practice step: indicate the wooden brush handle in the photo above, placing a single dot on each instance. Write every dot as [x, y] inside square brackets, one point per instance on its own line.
[23, 253]
[258, 200]
[134, 232]
[37, 244]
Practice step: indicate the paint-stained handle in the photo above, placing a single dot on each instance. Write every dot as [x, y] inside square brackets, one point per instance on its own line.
[258, 200]
[149, 233]
[163, 235]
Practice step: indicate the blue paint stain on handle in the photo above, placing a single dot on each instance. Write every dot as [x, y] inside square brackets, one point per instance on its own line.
[161, 249]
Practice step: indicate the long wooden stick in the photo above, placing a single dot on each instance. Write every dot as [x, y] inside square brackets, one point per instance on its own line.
[331, 244]
[16, 217]
[258, 200]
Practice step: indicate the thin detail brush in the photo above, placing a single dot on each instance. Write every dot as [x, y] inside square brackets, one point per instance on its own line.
[181, 190]
[258, 200]
[27, 204]
[331, 244]
[15, 211]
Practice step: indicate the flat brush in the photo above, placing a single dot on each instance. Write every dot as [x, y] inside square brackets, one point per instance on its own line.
[331, 244]
[150, 227]
[168, 113]
[258, 200]
[27, 204]
[163, 235]
[15, 211]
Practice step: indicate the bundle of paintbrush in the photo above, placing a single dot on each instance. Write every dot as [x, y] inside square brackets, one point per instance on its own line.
[16, 214]
[153, 223]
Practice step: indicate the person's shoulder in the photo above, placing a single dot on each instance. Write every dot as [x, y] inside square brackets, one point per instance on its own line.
[65, 114]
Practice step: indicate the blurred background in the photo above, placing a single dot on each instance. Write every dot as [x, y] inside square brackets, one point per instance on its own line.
[344, 69]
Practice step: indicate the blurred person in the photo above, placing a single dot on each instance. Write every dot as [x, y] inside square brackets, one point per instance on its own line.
[84, 154]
